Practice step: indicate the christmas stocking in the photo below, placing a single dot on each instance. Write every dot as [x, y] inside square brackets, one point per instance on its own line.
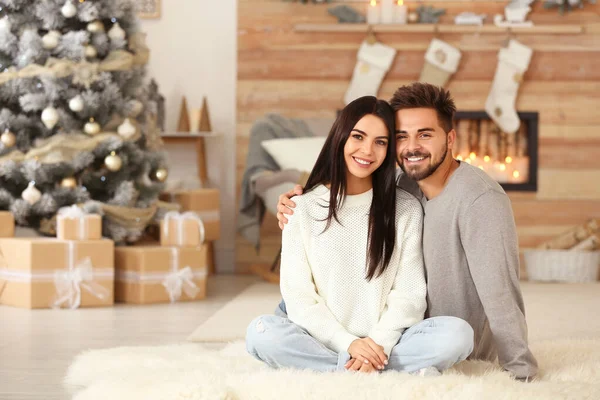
[500, 105]
[441, 61]
[374, 61]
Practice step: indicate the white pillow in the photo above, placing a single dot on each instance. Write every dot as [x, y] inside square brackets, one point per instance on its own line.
[295, 153]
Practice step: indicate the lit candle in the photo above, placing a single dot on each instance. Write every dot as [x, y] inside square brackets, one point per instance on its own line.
[520, 172]
[401, 13]
[387, 11]
[373, 11]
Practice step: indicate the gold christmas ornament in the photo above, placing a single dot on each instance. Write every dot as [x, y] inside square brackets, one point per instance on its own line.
[113, 162]
[162, 174]
[90, 51]
[31, 195]
[50, 40]
[50, 117]
[92, 127]
[69, 183]
[95, 27]
[8, 138]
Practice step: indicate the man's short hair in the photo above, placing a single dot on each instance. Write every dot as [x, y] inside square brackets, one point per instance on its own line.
[425, 95]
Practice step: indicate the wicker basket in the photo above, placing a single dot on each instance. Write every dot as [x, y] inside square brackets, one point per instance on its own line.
[562, 265]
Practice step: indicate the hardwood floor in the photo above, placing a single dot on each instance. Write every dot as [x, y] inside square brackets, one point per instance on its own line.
[36, 347]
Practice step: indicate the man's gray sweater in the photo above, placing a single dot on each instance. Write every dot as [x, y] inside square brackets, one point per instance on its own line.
[471, 255]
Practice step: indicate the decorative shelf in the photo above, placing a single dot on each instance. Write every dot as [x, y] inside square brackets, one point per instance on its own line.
[189, 135]
[562, 29]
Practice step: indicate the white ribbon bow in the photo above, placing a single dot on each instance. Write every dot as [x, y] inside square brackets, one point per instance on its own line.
[74, 212]
[174, 215]
[178, 281]
[70, 281]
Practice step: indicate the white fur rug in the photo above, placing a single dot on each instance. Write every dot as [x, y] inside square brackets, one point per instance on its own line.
[569, 369]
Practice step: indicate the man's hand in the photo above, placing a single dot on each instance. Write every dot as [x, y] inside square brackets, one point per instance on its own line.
[285, 205]
[368, 352]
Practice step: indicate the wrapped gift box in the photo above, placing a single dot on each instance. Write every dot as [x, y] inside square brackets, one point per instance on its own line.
[185, 229]
[81, 227]
[7, 224]
[157, 274]
[44, 273]
[205, 203]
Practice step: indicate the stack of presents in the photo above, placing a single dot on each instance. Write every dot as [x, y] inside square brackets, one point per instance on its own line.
[79, 268]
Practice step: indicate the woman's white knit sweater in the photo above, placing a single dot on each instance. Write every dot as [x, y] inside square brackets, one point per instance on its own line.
[323, 273]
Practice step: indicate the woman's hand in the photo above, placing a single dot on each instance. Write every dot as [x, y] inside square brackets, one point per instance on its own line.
[367, 351]
[285, 205]
[355, 365]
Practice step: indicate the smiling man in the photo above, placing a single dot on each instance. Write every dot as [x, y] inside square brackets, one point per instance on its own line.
[470, 243]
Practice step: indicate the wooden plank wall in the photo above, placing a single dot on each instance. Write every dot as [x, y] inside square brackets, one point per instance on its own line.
[306, 75]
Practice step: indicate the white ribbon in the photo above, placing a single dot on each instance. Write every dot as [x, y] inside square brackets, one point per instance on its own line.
[73, 212]
[179, 218]
[69, 282]
[179, 280]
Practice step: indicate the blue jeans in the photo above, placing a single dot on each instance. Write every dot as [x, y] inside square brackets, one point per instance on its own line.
[438, 342]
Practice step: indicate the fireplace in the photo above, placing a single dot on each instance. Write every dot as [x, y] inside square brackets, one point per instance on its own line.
[510, 159]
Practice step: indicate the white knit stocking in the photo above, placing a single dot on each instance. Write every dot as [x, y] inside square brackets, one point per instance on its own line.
[374, 61]
[500, 105]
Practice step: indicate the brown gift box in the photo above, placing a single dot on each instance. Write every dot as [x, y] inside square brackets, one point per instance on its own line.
[7, 224]
[190, 235]
[28, 268]
[205, 203]
[141, 271]
[88, 227]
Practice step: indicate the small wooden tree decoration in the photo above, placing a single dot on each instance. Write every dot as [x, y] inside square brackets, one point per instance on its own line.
[204, 117]
[184, 117]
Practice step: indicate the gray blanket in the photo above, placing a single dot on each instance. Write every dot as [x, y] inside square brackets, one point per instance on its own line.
[252, 209]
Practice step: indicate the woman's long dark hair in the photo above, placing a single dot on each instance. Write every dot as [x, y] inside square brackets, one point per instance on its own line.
[330, 168]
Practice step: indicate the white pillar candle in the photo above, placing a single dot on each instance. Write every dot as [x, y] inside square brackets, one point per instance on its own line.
[373, 12]
[400, 13]
[387, 11]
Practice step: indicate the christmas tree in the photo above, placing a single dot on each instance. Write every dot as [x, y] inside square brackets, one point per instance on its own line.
[77, 119]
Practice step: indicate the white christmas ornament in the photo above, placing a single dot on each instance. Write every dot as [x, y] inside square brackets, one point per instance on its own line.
[50, 40]
[92, 127]
[95, 27]
[68, 10]
[50, 117]
[126, 129]
[76, 103]
[5, 24]
[90, 51]
[136, 108]
[116, 32]
[31, 195]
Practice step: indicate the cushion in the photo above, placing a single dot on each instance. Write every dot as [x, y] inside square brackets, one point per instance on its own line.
[295, 153]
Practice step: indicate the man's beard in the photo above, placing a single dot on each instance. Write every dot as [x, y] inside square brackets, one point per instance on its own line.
[419, 175]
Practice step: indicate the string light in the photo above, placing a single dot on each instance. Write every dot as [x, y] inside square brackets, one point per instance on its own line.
[459, 157]
[472, 156]
[486, 158]
[502, 167]
[508, 159]
[516, 174]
